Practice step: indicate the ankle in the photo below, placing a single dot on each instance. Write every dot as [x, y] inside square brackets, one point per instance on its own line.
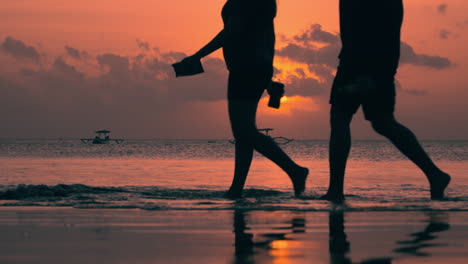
[336, 197]
[297, 168]
[436, 175]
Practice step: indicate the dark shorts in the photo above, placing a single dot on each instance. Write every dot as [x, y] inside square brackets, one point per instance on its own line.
[376, 105]
[247, 85]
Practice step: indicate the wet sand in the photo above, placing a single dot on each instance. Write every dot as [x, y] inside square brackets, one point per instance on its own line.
[67, 235]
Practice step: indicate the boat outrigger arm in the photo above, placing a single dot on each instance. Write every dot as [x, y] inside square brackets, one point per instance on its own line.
[277, 140]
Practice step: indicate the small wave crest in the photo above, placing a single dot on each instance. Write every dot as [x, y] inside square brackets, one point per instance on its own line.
[159, 198]
[80, 191]
[23, 191]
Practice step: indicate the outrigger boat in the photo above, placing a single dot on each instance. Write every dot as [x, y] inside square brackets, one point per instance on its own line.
[101, 138]
[277, 140]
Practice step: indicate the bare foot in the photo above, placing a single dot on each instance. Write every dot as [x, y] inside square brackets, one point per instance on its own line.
[299, 180]
[335, 198]
[438, 184]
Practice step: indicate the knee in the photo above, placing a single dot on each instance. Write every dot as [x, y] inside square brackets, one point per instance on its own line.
[246, 136]
[384, 127]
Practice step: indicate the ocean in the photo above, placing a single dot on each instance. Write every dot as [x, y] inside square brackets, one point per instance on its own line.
[194, 174]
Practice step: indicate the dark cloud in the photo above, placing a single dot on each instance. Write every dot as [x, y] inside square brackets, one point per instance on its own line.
[316, 34]
[444, 34]
[442, 8]
[301, 73]
[301, 51]
[141, 90]
[118, 66]
[19, 49]
[277, 71]
[321, 61]
[143, 45]
[305, 86]
[75, 53]
[409, 56]
[297, 53]
[65, 69]
[129, 93]
[327, 55]
[323, 72]
[123, 77]
[172, 56]
[415, 92]
[26, 72]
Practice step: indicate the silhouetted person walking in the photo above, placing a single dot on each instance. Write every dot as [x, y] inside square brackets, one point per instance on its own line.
[248, 40]
[370, 34]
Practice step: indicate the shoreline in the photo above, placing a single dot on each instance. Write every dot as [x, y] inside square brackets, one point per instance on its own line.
[330, 209]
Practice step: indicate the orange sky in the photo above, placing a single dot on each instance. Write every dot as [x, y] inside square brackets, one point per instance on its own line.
[434, 105]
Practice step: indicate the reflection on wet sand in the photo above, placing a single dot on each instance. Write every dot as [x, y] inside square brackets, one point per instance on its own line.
[437, 222]
[340, 246]
[276, 246]
[269, 245]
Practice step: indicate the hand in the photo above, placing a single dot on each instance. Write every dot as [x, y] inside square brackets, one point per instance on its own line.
[195, 56]
[190, 65]
[275, 88]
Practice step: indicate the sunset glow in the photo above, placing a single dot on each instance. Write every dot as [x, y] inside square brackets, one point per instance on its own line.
[289, 105]
[121, 51]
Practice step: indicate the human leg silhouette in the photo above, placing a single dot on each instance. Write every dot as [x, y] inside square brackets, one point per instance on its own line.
[407, 143]
[242, 116]
[399, 135]
[339, 147]
[268, 148]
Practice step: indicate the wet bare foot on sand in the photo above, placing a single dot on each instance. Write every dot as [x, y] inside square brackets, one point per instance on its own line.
[335, 198]
[438, 184]
[298, 179]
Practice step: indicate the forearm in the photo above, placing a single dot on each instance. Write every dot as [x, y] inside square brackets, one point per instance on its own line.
[215, 44]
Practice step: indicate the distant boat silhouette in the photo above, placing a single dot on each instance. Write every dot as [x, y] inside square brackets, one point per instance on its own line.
[277, 140]
[101, 138]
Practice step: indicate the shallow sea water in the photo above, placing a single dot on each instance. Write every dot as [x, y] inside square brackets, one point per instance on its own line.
[193, 175]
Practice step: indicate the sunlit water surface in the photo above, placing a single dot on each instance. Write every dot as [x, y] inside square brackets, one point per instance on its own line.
[193, 174]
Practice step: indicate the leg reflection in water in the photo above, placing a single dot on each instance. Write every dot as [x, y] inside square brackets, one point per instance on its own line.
[288, 242]
[267, 245]
[243, 244]
[437, 222]
[339, 246]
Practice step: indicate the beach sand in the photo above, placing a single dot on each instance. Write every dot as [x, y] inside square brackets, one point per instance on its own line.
[68, 235]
